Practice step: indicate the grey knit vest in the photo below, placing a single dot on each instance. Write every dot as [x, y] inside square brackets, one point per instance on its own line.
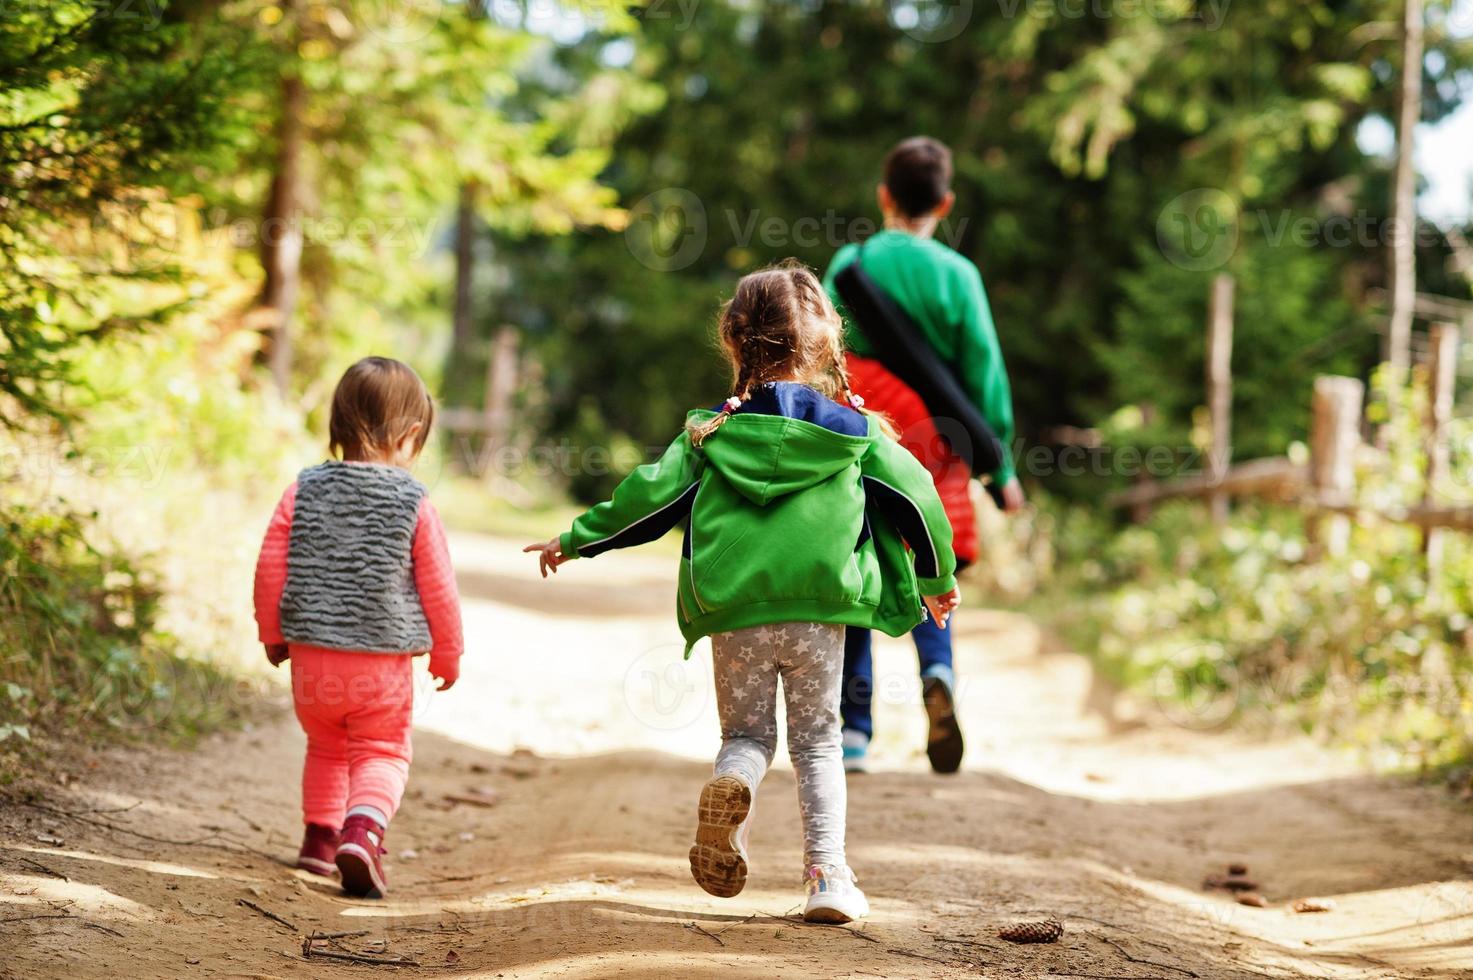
[350, 574]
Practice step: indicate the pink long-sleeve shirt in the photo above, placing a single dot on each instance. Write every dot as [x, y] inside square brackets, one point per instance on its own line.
[434, 579]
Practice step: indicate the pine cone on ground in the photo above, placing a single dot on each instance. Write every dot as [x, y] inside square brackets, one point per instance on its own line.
[1042, 931]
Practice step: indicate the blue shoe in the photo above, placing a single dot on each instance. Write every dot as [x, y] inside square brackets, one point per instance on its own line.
[856, 751]
[944, 746]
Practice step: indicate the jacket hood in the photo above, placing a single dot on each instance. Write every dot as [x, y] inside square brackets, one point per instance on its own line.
[765, 457]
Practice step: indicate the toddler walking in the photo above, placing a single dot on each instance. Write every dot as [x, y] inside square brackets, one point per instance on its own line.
[353, 580]
[795, 506]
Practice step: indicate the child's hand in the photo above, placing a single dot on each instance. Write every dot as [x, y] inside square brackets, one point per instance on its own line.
[277, 653]
[446, 670]
[941, 606]
[550, 555]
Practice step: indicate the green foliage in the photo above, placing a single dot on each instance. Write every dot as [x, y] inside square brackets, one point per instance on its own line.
[1248, 622]
[92, 107]
[81, 650]
[1076, 134]
[1233, 624]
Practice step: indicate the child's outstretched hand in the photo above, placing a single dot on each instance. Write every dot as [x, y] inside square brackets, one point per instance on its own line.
[549, 555]
[941, 606]
[277, 653]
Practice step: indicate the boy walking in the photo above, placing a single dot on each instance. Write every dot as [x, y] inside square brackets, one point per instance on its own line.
[942, 292]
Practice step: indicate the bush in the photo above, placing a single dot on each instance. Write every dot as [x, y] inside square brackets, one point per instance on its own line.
[80, 650]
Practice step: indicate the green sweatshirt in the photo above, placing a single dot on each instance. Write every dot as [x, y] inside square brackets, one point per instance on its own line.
[788, 519]
[943, 293]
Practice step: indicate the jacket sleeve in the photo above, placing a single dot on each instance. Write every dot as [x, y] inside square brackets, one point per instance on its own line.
[650, 501]
[271, 569]
[434, 580]
[982, 371]
[905, 493]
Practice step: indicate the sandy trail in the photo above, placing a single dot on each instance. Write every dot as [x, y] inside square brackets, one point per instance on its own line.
[577, 713]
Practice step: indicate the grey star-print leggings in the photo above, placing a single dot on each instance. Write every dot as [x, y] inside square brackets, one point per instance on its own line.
[810, 659]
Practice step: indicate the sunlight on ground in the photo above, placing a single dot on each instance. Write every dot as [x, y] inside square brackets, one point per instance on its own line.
[153, 867]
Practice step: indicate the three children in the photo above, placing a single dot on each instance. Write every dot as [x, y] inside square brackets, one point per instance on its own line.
[803, 517]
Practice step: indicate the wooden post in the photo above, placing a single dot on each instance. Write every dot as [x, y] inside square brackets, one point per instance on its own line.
[1442, 365]
[1401, 273]
[1333, 437]
[501, 384]
[1220, 387]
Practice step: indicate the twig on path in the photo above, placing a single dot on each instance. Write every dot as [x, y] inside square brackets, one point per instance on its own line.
[102, 928]
[706, 932]
[38, 866]
[1143, 962]
[33, 918]
[722, 931]
[340, 935]
[310, 954]
[860, 934]
[63, 915]
[920, 956]
[82, 816]
[267, 913]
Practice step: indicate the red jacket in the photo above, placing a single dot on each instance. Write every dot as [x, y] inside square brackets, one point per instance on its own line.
[883, 392]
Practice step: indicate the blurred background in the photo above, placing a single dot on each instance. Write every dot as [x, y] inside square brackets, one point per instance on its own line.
[1226, 244]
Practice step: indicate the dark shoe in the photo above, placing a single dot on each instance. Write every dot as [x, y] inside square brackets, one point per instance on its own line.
[718, 859]
[319, 846]
[944, 742]
[359, 858]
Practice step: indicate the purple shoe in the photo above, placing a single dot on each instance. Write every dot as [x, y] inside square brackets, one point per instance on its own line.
[359, 858]
[319, 845]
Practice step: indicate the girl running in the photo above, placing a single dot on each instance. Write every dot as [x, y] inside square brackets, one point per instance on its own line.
[795, 507]
[353, 580]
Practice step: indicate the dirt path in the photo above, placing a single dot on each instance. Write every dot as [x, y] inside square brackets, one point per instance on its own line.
[594, 739]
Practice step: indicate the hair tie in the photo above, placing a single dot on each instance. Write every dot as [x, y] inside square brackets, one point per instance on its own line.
[732, 404]
[855, 402]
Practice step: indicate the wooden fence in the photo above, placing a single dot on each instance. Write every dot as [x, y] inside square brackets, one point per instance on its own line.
[1325, 485]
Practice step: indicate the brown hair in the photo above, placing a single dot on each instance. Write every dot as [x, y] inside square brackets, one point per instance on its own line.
[374, 406]
[779, 325]
[918, 174]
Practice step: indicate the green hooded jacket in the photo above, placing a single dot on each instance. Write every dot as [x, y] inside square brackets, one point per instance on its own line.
[797, 509]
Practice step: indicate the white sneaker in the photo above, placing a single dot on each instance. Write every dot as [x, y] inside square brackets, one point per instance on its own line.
[856, 751]
[833, 895]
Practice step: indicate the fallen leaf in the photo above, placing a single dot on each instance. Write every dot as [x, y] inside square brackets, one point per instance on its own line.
[1253, 899]
[1314, 905]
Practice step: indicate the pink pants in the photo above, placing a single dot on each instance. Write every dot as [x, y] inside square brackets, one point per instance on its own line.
[356, 710]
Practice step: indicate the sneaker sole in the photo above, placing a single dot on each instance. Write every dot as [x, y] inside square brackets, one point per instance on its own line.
[831, 915]
[324, 868]
[944, 746]
[359, 875]
[715, 863]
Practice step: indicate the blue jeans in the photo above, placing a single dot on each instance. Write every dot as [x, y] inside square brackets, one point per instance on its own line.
[933, 646]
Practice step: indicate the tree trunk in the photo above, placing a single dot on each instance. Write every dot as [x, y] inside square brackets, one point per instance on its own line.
[465, 263]
[281, 228]
[1402, 269]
